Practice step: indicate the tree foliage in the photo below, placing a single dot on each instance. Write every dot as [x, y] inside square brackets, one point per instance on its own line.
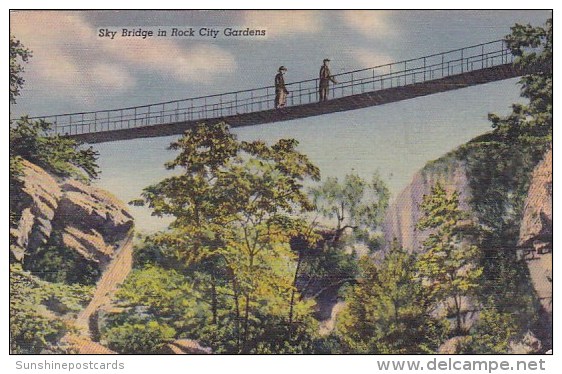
[39, 310]
[493, 332]
[388, 311]
[236, 207]
[62, 156]
[33, 140]
[353, 203]
[142, 338]
[450, 262]
[499, 167]
[530, 123]
[19, 55]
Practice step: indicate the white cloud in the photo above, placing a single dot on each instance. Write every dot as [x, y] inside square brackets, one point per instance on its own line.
[202, 63]
[373, 24]
[112, 76]
[367, 58]
[284, 22]
[68, 53]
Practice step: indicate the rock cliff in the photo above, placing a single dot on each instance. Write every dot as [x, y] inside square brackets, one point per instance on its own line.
[403, 214]
[86, 220]
[535, 241]
[72, 220]
[535, 236]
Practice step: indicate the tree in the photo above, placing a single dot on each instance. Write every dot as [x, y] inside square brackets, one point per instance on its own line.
[19, 54]
[530, 123]
[388, 310]
[235, 209]
[39, 312]
[354, 203]
[449, 260]
[39, 309]
[139, 338]
[494, 331]
[32, 140]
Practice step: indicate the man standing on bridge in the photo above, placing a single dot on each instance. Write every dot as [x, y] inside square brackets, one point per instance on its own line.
[280, 89]
[325, 78]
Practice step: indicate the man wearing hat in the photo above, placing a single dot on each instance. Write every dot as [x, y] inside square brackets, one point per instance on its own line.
[280, 89]
[325, 78]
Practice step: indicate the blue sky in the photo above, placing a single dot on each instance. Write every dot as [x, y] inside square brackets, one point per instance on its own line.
[73, 70]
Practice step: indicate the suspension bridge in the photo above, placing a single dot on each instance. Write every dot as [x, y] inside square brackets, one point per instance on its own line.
[440, 72]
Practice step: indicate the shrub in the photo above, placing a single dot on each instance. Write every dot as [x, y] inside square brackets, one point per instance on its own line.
[139, 338]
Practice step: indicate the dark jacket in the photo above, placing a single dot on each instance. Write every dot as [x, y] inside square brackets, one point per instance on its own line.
[280, 83]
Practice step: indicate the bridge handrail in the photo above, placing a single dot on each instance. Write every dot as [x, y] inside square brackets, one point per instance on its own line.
[266, 87]
[302, 92]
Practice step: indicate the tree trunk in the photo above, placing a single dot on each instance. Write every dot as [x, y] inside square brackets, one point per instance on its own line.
[214, 302]
[291, 306]
[246, 323]
[237, 310]
[458, 313]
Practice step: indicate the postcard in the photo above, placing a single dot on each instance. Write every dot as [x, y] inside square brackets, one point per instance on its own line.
[281, 182]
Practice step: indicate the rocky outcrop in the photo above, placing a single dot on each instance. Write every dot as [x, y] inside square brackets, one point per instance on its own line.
[88, 220]
[42, 194]
[83, 345]
[536, 226]
[535, 242]
[528, 344]
[454, 345]
[403, 214]
[185, 347]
